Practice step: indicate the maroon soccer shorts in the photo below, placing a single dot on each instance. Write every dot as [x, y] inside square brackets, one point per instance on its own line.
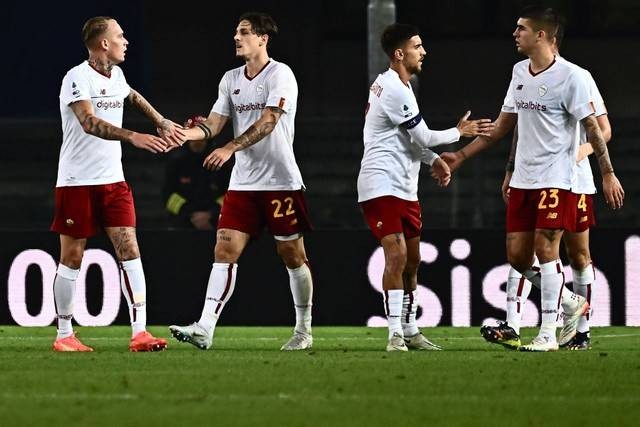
[284, 213]
[546, 208]
[585, 215]
[389, 215]
[84, 210]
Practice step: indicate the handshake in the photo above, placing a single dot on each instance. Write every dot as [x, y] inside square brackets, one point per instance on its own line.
[170, 135]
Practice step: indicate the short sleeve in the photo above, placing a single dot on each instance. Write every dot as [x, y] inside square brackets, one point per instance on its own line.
[509, 103]
[75, 87]
[401, 106]
[596, 97]
[222, 105]
[282, 89]
[123, 82]
[576, 97]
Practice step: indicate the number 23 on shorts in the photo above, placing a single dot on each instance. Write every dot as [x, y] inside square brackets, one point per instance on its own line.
[549, 199]
[286, 204]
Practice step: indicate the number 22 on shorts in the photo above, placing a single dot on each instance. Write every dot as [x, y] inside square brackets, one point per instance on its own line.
[288, 204]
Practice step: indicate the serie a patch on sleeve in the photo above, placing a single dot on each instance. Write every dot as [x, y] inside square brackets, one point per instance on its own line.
[281, 103]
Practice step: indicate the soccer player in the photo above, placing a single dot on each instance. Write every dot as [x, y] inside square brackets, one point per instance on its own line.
[91, 193]
[549, 99]
[396, 141]
[266, 187]
[576, 242]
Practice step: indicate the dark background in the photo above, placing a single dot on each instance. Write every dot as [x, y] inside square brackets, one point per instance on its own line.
[179, 51]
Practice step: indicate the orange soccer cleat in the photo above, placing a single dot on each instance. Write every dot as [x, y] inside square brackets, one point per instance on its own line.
[70, 343]
[144, 341]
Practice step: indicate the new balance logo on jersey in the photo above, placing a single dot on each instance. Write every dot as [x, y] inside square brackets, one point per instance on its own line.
[552, 215]
[103, 91]
[105, 105]
[249, 107]
[519, 87]
[236, 92]
[530, 105]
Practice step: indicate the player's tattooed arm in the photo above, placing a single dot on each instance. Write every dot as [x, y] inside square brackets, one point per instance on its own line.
[102, 129]
[611, 187]
[257, 131]
[145, 108]
[597, 141]
[96, 126]
[171, 132]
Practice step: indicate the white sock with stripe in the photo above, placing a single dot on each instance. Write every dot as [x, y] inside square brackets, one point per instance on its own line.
[64, 286]
[518, 289]
[301, 284]
[222, 282]
[409, 311]
[551, 287]
[134, 288]
[582, 280]
[393, 308]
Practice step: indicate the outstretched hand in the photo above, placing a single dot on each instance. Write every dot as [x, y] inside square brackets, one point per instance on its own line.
[479, 127]
[172, 133]
[440, 172]
[148, 142]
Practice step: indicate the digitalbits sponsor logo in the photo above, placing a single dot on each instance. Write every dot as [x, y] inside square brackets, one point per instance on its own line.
[107, 105]
[530, 105]
[240, 108]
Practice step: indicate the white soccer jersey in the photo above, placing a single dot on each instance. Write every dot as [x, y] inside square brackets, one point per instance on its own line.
[583, 180]
[391, 162]
[269, 164]
[86, 159]
[550, 105]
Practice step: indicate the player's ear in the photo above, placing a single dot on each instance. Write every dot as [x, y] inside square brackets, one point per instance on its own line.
[264, 39]
[398, 54]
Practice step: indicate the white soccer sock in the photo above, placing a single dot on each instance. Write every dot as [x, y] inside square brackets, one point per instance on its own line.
[409, 310]
[301, 284]
[582, 280]
[134, 289]
[64, 286]
[393, 307]
[222, 282]
[551, 284]
[518, 289]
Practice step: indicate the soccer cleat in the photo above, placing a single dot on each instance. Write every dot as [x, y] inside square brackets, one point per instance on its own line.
[194, 334]
[70, 343]
[502, 334]
[298, 341]
[581, 341]
[420, 342]
[144, 341]
[541, 343]
[396, 343]
[579, 308]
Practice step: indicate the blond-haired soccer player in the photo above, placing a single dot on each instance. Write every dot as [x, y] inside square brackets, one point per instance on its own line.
[266, 188]
[91, 192]
[396, 141]
[549, 99]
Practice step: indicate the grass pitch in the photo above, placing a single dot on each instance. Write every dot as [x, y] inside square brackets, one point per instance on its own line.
[346, 380]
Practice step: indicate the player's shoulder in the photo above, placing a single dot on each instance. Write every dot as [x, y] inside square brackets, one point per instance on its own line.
[521, 65]
[79, 71]
[390, 81]
[234, 73]
[278, 67]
